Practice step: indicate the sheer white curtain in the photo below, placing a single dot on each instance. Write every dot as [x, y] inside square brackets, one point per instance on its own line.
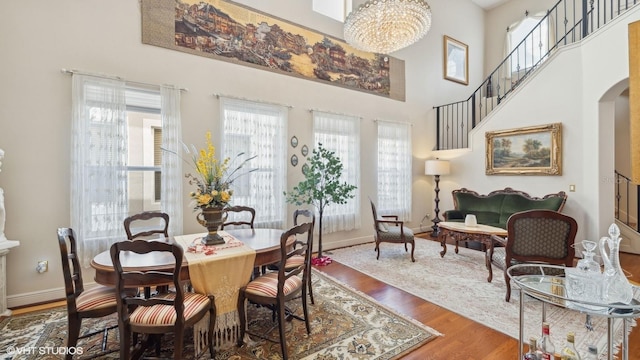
[257, 129]
[98, 163]
[394, 169]
[171, 197]
[341, 134]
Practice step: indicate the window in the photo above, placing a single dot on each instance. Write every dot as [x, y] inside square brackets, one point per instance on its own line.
[115, 157]
[394, 169]
[530, 41]
[341, 134]
[335, 9]
[257, 129]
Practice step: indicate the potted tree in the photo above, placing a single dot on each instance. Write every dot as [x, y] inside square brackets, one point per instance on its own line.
[321, 188]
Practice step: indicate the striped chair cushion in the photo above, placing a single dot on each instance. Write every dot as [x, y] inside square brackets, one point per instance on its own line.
[294, 261]
[267, 285]
[166, 314]
[96, 298]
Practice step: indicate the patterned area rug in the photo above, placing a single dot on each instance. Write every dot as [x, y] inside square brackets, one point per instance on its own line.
[458, 282]
[345, 324]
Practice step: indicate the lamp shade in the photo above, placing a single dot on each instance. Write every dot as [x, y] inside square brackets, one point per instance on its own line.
[436, 167]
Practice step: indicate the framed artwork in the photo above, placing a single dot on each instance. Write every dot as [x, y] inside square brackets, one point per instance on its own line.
[294, 141]
[535, 150]
[305, 168]
[294, 160]
[304, 151]
[456, 61]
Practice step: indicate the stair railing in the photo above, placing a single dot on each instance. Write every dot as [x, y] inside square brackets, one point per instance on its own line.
[627, 201]
[456, 119]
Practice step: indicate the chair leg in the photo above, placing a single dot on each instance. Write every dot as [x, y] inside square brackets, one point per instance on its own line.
[74, 324]
[281, 328]
[125, 341]
[242, 316]
[413, 247]
[178, 343]
[378, 250]
[310, 288]
[507, 280]
[305, 310]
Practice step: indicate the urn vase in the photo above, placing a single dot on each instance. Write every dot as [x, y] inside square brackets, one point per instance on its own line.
[212, 218]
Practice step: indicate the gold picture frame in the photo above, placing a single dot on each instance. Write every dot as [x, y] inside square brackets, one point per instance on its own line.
[456, 60]
[535, 150]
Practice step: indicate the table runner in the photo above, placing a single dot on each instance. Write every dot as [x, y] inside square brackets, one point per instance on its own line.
[218, 270]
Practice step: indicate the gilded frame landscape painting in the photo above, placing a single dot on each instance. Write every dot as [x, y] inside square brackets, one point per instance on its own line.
[231, 32]
[535, 150]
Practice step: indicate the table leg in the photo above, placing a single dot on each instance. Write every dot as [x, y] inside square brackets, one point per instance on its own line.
[443, 241]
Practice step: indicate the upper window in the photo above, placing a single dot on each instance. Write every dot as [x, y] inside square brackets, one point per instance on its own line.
[529, 40]
[341, 134]
[335, 9]
[394, 169]
[257, 129]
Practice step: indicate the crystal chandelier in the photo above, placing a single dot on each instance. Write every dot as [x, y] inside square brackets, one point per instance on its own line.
[384, 26]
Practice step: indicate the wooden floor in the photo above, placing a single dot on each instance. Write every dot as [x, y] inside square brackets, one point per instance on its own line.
[464, 338]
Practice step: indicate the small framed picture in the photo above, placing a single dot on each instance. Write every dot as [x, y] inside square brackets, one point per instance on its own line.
[304, 151]
[456, 61]
[294, 160]
[305, 168]
[294, 141]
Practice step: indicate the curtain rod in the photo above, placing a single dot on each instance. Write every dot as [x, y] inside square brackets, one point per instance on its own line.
[73, 71]
[245, 99]
[393, 122]
[336, 113]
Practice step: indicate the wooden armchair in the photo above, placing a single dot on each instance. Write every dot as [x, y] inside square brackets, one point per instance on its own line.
[396, 233]
[535, 236]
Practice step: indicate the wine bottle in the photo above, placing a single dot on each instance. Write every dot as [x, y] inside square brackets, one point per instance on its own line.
[569, 350]
[531, 354]
[545, 345]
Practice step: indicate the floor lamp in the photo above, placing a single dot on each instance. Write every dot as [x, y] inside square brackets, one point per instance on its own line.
[436, 168]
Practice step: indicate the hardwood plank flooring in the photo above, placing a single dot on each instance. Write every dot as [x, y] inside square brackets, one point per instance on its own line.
[464, 338]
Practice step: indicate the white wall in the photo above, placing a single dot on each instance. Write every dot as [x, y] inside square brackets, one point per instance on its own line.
[40, 37]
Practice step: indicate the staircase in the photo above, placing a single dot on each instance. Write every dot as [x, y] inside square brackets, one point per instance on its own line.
[569, 21]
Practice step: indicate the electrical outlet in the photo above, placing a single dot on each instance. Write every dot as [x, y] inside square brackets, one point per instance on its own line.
[572, 188]
[42, 267]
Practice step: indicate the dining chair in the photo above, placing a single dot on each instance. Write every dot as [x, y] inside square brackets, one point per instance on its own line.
[154, 223]
[538, 237]
[275, 288]
[244, 215]
[387, 228]
[165, 313]
[96, 302]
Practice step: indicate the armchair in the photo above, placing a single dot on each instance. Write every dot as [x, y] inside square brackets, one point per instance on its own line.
[396, 233]
[535, 236]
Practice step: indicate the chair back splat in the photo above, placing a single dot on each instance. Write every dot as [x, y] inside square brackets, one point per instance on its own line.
[169, 312]
[275, 288]
[147, 217]
[246, 216]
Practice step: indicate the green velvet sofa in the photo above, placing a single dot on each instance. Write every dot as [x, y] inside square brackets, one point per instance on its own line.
[495, 208]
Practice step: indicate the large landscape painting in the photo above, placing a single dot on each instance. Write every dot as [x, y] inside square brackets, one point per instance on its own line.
[228, 31]
[526, 151]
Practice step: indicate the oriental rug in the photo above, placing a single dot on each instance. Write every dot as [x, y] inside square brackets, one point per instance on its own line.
[458, 282]
[345, 324]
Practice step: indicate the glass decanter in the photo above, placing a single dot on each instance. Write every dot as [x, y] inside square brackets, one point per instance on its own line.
[587, 263]
[616, 288]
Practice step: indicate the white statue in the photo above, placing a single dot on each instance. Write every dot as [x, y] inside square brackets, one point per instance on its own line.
[2, 213]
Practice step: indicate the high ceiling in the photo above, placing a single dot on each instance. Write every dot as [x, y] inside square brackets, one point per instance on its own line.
[489, 4]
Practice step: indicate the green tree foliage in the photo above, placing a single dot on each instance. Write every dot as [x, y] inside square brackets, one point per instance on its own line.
[321, 186]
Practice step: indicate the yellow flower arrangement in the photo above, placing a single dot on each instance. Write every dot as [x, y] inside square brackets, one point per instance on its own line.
[212, 178]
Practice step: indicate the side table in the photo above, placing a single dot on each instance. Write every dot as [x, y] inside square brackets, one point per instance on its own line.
[5, 246]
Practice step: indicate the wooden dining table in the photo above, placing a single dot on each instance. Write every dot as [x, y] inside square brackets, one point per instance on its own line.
[266, 243]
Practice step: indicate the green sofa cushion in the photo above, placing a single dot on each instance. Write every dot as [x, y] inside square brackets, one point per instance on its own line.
[469, 203]
[515, 203]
